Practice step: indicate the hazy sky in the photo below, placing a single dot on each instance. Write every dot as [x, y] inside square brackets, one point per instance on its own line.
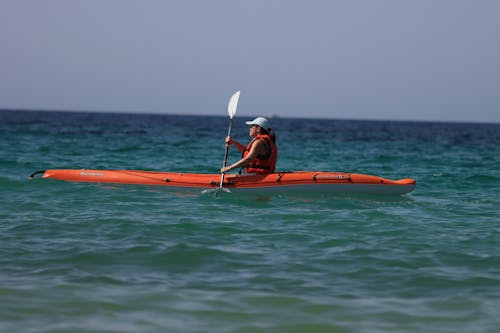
[372, 59]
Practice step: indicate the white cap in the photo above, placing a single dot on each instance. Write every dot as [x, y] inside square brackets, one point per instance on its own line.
[260, 121]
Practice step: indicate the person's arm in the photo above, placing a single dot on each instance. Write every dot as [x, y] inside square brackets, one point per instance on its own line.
[256, 148]
[230, 141]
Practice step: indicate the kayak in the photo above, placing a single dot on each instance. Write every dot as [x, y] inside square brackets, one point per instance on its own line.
[279, 182]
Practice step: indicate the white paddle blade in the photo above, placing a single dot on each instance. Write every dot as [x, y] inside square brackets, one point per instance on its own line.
[233, 103]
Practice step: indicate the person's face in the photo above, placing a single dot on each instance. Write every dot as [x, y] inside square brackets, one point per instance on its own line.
[254, 130]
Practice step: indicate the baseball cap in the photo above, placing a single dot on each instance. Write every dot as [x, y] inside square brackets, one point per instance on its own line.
[260, 121]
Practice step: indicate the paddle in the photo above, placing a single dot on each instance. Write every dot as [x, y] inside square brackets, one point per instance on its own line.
[231, 110]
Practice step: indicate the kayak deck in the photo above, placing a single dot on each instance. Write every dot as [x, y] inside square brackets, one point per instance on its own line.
[308, 181]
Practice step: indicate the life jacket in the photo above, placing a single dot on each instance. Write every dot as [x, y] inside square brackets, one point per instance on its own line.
[262, 164]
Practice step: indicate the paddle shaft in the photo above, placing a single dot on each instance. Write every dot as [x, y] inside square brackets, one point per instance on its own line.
[227, 152]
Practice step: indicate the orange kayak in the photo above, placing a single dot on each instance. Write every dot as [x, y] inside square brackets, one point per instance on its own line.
[303, 181]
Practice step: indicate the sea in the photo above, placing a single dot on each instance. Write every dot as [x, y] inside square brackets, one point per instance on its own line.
[83, 257]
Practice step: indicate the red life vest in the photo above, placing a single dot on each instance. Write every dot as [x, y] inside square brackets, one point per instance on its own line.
[262, 164]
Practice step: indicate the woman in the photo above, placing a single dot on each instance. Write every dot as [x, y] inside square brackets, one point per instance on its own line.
[261, 154]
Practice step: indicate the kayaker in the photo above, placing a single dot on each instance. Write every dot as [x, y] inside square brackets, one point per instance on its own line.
[261, 154]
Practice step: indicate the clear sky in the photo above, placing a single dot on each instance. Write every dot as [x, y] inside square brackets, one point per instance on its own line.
[372, 59]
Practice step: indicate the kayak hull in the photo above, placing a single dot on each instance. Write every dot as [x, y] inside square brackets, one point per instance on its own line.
[279, 182]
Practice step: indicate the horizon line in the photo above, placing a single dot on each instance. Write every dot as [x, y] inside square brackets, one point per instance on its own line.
[271, 116]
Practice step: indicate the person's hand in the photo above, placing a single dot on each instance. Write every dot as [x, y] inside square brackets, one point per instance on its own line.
[229, 141]
[224, 170]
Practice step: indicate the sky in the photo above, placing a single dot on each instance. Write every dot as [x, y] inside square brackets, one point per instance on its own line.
[426, 60]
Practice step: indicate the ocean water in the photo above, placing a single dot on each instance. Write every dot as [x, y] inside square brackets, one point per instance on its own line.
[102, 258]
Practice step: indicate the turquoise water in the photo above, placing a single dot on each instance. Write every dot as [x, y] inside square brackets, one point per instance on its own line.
[92, 258]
